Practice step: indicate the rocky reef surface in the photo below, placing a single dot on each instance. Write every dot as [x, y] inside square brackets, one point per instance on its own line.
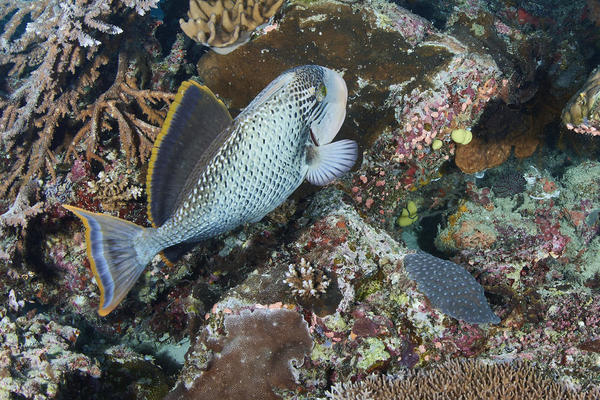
[457, 109]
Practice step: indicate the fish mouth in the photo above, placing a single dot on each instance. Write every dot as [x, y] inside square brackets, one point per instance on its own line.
[332, 109]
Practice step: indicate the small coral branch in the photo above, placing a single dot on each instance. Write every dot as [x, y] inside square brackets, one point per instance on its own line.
[22, 209]
[117, 103]
[305, 281]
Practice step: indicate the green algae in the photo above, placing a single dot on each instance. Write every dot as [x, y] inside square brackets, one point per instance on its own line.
[372, 352]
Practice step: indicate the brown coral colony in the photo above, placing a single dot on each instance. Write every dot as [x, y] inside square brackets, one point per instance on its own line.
[224, 25]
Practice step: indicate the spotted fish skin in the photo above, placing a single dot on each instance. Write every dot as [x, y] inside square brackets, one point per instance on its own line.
[262, 161]
[450, 287]
[251, 167]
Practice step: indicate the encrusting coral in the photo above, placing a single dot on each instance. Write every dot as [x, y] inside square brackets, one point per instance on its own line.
[257, 356]
[467, 379]
[224, 25]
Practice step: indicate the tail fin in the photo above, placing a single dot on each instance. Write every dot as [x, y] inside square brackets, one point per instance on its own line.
[114, 259]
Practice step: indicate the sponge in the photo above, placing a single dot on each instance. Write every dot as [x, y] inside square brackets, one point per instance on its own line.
[409, 214]
[462, 136]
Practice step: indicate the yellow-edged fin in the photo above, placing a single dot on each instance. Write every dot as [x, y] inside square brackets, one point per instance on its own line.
[115, 262]
[172, 254]
[196, 117]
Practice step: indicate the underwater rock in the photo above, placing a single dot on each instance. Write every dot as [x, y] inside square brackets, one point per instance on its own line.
[402, 97]
[371, 317]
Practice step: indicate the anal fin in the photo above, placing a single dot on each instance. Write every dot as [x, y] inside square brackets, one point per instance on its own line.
[172, 254]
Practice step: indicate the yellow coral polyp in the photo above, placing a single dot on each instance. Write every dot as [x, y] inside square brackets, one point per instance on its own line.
[461, 136]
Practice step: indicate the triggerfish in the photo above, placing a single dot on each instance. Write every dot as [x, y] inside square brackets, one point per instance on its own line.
[209, 173]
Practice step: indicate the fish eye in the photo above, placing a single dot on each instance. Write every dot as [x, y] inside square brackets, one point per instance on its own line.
[321, 93]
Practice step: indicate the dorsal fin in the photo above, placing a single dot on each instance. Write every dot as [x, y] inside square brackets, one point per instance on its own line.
[195, 119]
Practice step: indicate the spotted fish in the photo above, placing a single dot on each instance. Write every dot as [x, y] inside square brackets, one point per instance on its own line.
[209, 174]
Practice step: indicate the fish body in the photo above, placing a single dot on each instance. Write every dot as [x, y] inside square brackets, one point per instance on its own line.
[209, 174]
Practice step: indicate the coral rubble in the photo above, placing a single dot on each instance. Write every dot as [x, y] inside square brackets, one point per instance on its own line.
[37, 355]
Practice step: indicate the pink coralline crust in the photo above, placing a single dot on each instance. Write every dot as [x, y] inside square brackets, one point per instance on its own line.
[570, 320]
[80, 170]
[411, 26]
[586, 129]
[463, 340]
[554, 241]
[460, 96]
[502, 28]
[75, 276]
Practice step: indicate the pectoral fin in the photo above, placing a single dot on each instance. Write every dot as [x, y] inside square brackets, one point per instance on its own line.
[330, 161]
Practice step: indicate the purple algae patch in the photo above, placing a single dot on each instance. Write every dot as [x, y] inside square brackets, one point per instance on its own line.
[450, 287]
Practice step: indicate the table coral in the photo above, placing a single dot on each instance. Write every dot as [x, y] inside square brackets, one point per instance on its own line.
[60, 45]
[461, 379]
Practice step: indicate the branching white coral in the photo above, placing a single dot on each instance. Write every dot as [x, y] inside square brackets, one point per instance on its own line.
[305, 281]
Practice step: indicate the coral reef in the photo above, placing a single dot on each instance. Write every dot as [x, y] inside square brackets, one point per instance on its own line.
[224, 25]
[37, 355]
[461, 379]
[85, 86]
[257, 355]
[582, 112]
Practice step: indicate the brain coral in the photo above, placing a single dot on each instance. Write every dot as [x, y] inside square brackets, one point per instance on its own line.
[450, 287]
[464, 380]
[254, 357]
[224, 25]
